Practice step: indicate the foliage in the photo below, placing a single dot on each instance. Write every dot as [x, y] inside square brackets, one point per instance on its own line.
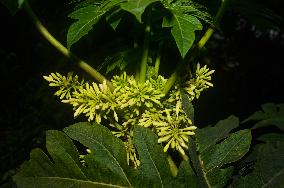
[106, 164]
[271, 114]
[268, 158]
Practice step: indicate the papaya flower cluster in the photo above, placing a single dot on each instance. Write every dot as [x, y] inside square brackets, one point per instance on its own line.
[134, 103]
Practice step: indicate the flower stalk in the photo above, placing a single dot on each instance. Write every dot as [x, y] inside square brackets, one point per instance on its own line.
[144, 60]
[63, 50]
[158, 60]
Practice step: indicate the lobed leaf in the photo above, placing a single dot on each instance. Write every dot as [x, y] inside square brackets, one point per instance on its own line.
[64, 170]
[110, 150]
[64, 155]
[183, 30]
[87, 17]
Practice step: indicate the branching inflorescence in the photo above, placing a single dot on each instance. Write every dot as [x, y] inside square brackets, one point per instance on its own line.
[135, 103]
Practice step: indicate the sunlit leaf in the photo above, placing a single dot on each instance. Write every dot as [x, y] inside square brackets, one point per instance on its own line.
[183, 30]
[111, 155]
[137, 7]
[62, 170]
[86, 18]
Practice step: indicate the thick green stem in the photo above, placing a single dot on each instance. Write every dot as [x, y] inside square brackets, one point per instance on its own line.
[82, 64]
[158, 60]
[144, 60]
[173, 166]
[197, 48]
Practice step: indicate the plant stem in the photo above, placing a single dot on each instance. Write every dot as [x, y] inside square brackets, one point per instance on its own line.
[144, 60]
[197, 48]
[173, 167]
[55, 43]
[158, 60]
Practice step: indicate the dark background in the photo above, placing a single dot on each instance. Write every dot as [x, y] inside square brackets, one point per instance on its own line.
[248, 63]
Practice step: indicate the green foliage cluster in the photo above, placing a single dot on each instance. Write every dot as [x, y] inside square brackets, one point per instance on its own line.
[213, 152]
[106, 165]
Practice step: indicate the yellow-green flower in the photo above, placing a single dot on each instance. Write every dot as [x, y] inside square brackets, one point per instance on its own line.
[152, 118]
[95, 101]
[138, 96]
[174, 134]
[200, 82]
[67, 84]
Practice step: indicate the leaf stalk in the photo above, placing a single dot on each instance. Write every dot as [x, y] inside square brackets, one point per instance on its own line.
[63, 50]
[144, 60]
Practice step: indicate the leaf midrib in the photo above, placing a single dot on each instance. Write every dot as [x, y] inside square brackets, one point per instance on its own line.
[148, 153]
[110, 154]
[272, 179]
[229, 151]
[79, 30]
[78, 180]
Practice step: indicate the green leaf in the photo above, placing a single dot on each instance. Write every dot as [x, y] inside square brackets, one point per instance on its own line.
[271, 114]
[228, 151]
[268, 170]
[137, 7]
[196, 163]
[219, 177]
[154, 169]
[183, 30]
[209, 162]
[187, 106]
[12, 5]
[191, 8]
[64, 171]
[209, 136]
[86, 18]
[111, 151]
[64, 154]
